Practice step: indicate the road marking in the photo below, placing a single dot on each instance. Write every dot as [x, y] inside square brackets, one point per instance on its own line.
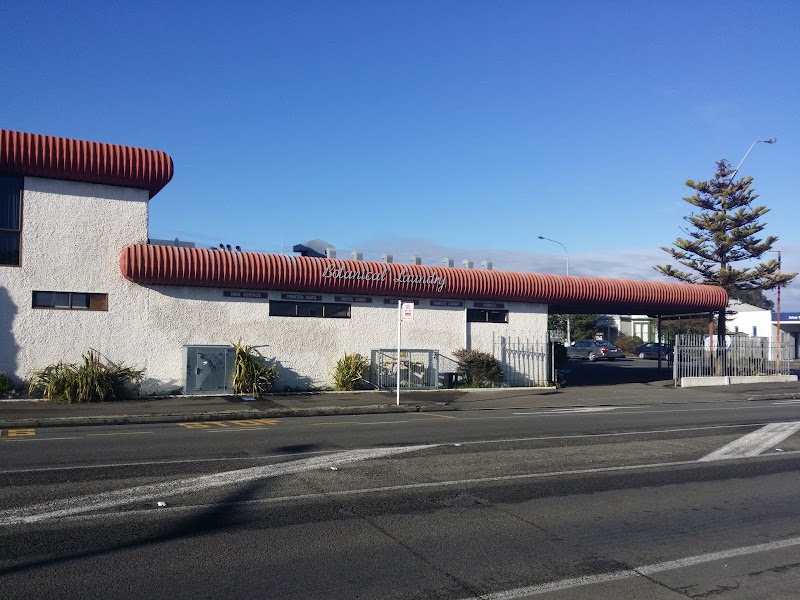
[227, 424]
[271, 456]
[575, 410]
[787, 402]
[16, 433]
[119, 433]
[434, 415]
[415, 486]
[83, 504]
[643, 571]
[756, 442]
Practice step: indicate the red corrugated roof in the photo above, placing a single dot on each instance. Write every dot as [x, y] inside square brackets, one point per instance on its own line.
[170, 265]
[30, 154]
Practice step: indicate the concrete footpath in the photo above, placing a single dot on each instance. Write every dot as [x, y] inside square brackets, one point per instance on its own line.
[35, 413]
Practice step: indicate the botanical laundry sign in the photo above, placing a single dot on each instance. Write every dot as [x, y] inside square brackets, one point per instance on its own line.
[404, 276]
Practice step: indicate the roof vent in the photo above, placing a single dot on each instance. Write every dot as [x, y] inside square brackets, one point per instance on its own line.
[330, 252]
[447, 261]
[357, 255]
[467, 263]
[486, 265]
[416, 260]
[313, 248]
[386, 257]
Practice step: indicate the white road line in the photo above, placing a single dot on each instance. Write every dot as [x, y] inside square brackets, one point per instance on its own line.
[411, 487]
[83, 504]
[450, 443]
[756, 442]
[574, 410]
[643, 571]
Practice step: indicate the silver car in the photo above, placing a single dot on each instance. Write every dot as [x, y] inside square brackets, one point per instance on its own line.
[594, 350]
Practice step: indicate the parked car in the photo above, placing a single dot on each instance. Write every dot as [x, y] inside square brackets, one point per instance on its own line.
[594, 350]
[651, 349]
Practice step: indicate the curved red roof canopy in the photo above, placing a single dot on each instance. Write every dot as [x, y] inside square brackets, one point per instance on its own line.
[170, 265]
[35, 155]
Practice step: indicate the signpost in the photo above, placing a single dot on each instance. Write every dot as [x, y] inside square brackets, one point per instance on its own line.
[405, 312]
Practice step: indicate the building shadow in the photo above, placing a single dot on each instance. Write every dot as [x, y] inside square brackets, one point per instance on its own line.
[9, 349]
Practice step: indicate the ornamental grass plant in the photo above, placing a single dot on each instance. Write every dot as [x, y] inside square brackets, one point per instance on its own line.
[349, 371]
[95, 379]
[251, 373]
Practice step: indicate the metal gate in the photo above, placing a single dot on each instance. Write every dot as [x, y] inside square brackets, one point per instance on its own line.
[525, 362]
[419, 369]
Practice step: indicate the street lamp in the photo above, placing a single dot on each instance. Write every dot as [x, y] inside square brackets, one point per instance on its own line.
[721, 327]
[569, 338]
[768, 141]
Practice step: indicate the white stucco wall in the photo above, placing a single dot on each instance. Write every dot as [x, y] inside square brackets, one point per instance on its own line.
[72, 234]
[72, 237]
[306, 348]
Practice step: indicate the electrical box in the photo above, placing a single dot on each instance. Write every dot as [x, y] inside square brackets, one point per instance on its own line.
[209, 369]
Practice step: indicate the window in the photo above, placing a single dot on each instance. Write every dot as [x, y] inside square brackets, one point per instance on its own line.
[70, 300]
[327, 310]
[10, 219]
[481, 315]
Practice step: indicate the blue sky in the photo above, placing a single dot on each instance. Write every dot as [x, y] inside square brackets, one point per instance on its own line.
[439, 128]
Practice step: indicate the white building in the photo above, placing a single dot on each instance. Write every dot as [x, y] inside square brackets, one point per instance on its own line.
[77, 272]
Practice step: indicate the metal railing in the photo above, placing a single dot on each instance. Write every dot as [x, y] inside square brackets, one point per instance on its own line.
[702, 356]
[419, 369]
[525, 362]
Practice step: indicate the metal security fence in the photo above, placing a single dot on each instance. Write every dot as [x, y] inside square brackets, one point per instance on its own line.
[702, 356]
[419, 369]
[525, 362]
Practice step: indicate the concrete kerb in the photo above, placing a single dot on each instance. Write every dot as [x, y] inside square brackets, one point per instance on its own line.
[479, 400]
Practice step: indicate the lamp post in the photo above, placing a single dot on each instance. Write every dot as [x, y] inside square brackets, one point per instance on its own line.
[721, 322]
[768, 141]
[569, 338]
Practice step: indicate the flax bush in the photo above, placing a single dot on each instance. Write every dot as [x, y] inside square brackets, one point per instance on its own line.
[349, 371]
[95, 379]
[251, 373]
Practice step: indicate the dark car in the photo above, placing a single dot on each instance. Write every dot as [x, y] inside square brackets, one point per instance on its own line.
[651, 350]
[594, 350]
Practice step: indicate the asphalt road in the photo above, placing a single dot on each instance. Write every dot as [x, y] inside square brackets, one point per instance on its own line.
[667, 501]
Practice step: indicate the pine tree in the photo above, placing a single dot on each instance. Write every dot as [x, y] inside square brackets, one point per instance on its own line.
[724, 241]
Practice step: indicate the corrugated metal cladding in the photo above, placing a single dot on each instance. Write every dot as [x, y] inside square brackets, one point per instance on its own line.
[170, 265]
[35, 155]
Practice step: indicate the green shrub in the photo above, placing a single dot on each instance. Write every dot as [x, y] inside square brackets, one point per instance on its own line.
[5, 383]
[628, 343]
[349, 371]
[478, 368]
[94, 380]
[251, 373]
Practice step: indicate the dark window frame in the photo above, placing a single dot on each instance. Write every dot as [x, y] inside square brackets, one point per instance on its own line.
[12, 232]
[318, 310]
[487, 315]
[91, 301]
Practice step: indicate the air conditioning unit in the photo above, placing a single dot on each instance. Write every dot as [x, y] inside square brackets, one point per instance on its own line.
[209, 369]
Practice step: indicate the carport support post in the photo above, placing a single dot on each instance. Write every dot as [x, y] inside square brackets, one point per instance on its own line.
[660, 338]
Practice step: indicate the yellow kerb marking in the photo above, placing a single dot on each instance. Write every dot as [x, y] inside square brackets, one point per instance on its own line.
[21, 432]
